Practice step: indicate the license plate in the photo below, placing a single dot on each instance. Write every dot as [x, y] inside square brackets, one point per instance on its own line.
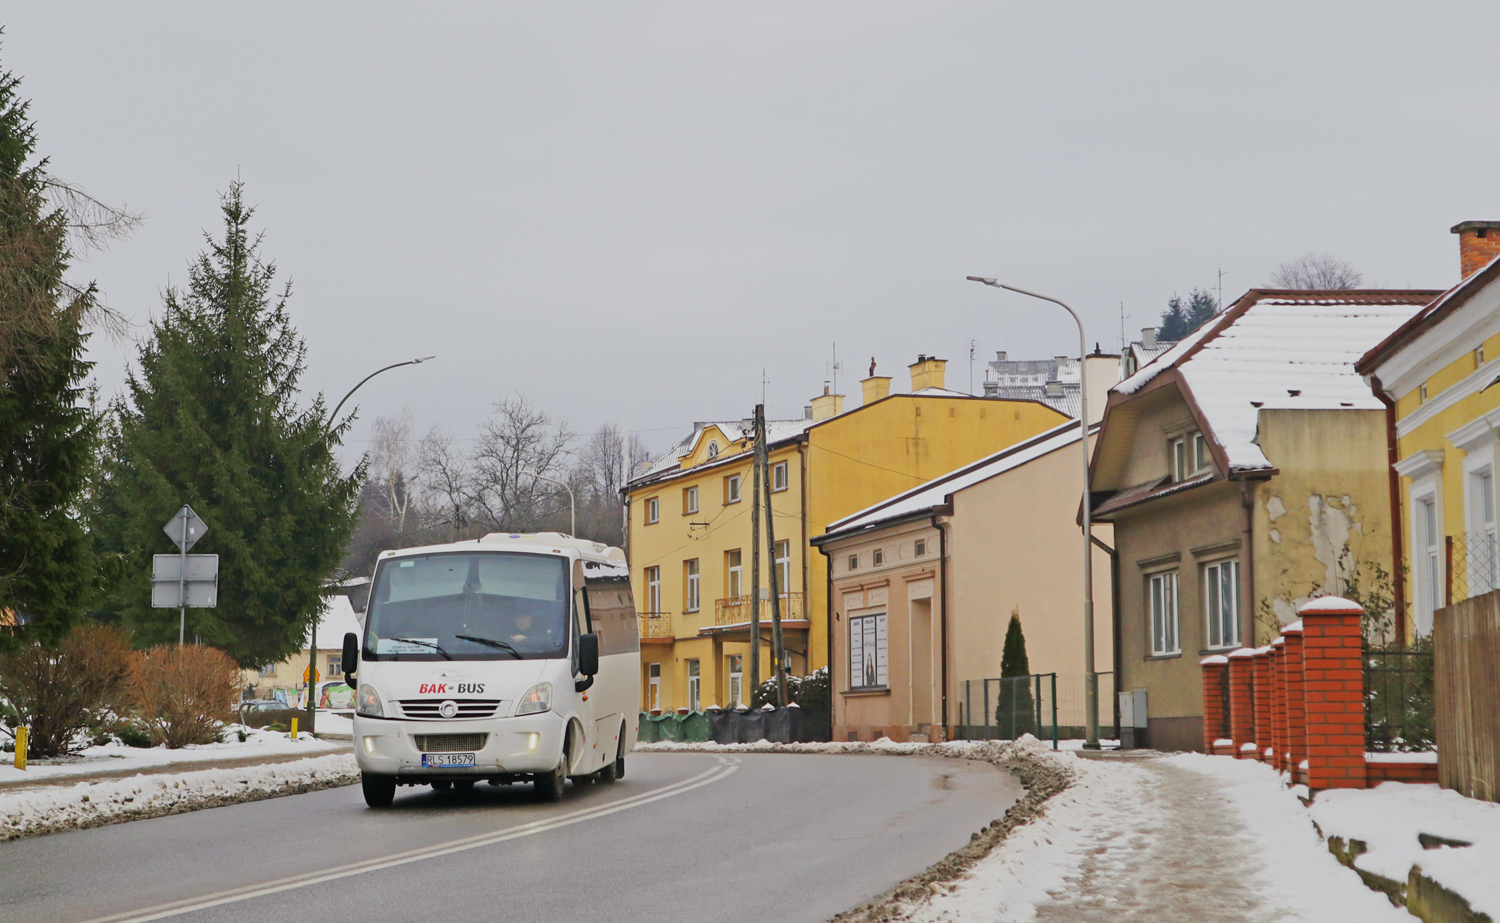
[445, 760]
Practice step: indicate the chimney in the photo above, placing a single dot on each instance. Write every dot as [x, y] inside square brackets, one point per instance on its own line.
[1148, 336]
[992, 389]
[1000, 355]
[875, 387]
[1478, 243]
[1054, 388]
[827, 405]
[927, 372]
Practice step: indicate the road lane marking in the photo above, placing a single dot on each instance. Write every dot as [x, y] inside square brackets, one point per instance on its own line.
[726, 767]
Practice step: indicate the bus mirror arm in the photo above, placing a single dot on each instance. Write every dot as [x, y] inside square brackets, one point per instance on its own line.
[583, 685]
[351, 657]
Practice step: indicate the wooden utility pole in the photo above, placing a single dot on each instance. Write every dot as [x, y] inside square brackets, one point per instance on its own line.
[778, 653]
[755, 558]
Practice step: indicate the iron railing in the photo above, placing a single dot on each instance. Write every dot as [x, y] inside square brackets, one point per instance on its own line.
[1472, 562]
[1400, 711]
[735, 610]
[1049, 706]
[655, 624]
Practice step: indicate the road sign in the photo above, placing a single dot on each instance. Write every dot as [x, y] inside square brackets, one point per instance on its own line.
[185, 528]
[316, 677]
[200, 581]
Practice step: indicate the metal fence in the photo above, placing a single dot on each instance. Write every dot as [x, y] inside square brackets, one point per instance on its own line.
[1050, 706]
[1400, 712]
[1472, 562]
[1466, 642]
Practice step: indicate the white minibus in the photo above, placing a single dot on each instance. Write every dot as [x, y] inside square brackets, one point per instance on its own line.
[509, 658]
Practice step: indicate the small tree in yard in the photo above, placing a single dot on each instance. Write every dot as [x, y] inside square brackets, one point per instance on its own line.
[67, 692]
[183, 692]
[1015, 714]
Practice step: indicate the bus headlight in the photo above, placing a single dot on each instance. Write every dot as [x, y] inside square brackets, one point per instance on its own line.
[367, 702]
[536, 700]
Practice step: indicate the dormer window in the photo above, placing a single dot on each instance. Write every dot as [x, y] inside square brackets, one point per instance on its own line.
[1188, 456]
[713, 449]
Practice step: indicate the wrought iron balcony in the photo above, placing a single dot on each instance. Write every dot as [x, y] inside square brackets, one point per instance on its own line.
[655, 624]
[735, 610]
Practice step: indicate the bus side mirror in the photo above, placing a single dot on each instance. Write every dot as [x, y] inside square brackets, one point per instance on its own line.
[588, 654]
[351, 654]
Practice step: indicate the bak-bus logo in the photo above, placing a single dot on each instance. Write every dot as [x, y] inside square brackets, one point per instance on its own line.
[456, 688]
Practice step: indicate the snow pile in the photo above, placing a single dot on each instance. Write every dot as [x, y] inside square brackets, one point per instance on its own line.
[1387, 820]
[55, 808]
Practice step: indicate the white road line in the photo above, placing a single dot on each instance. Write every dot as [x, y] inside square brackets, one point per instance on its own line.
[727, 766]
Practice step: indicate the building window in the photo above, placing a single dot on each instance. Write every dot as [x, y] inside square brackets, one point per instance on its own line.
[653, 686]
[778, 476]
[921, 547]
[1422, 393]
[736, 680]
[854, 562]
[335, 666]
[690, 601]
[867, 652]
[783, 559]
[733, 574]
[732, 489]
[1188, 455]
[689, 500]
[713, 449]
[268, 672]
[1479, 356]
[1479, 546]
[693, 680]
[878, 557]
[653, 510]
[1221, 601]
[653, 589]
[1164, 614]
[1432, 563]
[1200, 453]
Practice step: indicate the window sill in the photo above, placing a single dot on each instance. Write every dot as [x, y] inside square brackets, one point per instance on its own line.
[856, 693]
[691, 611]
[1176, 656]
[730, 502]
[1211, 651]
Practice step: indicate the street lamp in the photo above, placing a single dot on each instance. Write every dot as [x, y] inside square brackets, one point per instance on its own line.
[312, 642]
[572, 504]
[1091, 678]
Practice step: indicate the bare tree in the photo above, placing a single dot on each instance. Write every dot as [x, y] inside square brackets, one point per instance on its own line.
[518, 440]
[1317, 271]
[392, 466]
[444, 475]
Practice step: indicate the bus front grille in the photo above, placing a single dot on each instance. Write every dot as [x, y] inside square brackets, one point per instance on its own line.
[449, 743]
[467, 708]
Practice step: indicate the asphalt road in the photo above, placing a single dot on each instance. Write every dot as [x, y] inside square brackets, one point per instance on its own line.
[685, 836]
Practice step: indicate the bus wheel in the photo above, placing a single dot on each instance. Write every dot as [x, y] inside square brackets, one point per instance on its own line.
[612, 769]
[380, 791]
[441, 785]
[620, 757]
[463, 786]
[549, 785]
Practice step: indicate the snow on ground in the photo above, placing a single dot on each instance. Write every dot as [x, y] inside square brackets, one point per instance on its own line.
[114, 756]
[1388, 818]
[90, 804]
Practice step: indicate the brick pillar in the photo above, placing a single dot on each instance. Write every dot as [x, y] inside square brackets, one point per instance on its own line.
[1241, 714]
[1278, 704]
[1296, 710]
[1333, 689]
[1215, 676]
[1263, 700]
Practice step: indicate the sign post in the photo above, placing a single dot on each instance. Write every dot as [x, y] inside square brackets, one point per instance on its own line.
[196, 576]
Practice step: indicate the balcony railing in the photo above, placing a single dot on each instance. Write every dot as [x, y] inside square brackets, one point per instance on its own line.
[735, 610]
[655, 624]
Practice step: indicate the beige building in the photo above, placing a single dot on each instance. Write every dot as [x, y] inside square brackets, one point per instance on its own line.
[924, 584]
[285, 680]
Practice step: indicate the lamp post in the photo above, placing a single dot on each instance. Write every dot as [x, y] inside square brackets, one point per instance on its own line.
[312, 640]
[1091, 678]
[572, 504]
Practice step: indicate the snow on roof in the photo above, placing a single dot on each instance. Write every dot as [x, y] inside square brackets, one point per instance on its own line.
[337, 619]
[936, 491]
[671, 460]
[1283, 349]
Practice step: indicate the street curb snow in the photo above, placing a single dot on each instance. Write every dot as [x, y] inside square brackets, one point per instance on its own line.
[1041, 773]
[94, 804]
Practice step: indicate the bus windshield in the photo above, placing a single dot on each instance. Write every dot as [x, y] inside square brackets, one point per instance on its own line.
[461, 606]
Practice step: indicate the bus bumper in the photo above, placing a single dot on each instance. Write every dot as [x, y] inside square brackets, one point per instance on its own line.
[506, 746]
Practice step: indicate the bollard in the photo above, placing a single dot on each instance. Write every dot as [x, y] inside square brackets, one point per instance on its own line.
[23, 738]
[294, 728]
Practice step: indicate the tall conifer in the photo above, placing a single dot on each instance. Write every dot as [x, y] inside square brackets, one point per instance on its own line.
[47, 430]
[212, 421]
[1015, 713]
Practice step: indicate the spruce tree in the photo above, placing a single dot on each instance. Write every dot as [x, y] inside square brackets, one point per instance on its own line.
[47, 429]
[212, 420]
[1015, 714]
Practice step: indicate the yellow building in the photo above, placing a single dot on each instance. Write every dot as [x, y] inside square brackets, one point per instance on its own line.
[1436, 374]
[690, 528]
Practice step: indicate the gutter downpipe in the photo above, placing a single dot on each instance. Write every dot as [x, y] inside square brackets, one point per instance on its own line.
[943, 613]
[1392, 451]
[1114, 610]
[833, 692]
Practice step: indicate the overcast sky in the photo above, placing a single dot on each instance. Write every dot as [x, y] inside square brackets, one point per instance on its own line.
[628, 211]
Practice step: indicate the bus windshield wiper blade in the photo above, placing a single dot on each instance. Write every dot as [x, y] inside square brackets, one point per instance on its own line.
[491, 642]
[424, 644]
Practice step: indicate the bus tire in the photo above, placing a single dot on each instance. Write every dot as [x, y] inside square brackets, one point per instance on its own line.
[620, 756]
[380, 791]
[611, 771]
[549, 785]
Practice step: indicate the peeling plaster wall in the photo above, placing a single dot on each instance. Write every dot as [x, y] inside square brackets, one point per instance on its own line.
[1324, 520]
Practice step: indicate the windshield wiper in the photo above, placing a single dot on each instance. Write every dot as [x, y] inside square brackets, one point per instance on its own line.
[424, 644]
[491, 642]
